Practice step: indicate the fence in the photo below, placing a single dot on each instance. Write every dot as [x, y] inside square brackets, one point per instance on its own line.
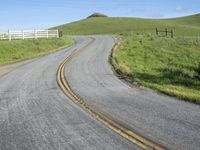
[166, 31]
[29, 34]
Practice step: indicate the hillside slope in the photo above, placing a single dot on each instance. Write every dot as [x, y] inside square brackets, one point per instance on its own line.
[193, 20]
[189, 26]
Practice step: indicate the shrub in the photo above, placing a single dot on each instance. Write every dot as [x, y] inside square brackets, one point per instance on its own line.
[97, 15]
[198, 69]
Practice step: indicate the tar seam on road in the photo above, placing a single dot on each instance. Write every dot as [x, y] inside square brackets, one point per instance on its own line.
[127, 134]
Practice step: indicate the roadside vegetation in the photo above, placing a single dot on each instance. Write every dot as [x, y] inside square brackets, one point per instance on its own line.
[171, 66]
[18, 50]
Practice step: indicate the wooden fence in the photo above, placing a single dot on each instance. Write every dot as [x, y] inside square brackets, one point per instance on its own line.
[29, 34]
[166, 32]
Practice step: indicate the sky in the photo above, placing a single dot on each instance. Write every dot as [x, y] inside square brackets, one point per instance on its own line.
[42, 14]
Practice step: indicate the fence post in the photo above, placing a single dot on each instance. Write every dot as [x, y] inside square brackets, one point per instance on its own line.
[47, 31]
[156, 31]
[35, 34]
[23, 34]
[9, 35]
[57, 33]
[172, 33]
[166, 32]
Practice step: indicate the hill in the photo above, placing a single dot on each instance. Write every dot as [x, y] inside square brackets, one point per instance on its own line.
[189, 25]
[193, 20]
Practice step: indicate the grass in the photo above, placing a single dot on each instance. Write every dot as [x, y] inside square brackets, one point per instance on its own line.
[168, 65]
[18, 50]
[184, 26]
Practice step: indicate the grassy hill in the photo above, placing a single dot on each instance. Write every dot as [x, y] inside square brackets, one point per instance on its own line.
[187, 26]
[193, 20]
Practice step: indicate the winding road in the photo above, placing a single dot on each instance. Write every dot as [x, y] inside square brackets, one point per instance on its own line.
[35, 114]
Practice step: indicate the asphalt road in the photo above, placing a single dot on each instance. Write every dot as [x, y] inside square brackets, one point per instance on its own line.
[167, 121]
[35, 114]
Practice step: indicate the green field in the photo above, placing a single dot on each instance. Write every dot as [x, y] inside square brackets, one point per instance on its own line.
[18, 50]
[167, 65]
[184, 26]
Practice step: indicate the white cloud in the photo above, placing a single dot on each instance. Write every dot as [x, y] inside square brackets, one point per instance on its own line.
[180, 9]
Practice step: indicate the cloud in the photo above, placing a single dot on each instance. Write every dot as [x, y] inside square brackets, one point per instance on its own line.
[180, 9]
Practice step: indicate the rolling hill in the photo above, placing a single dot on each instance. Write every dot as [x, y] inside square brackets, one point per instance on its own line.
[187, 26]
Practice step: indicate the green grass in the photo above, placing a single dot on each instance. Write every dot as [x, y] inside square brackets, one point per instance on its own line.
[185, 26]
[168, 65]
[18, 50]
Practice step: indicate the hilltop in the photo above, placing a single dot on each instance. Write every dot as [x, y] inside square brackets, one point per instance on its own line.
[97, 15]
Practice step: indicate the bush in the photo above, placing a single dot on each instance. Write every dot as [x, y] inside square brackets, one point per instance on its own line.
[97, 15]
[198, 69]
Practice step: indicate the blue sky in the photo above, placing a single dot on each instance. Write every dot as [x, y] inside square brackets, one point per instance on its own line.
[41, 14]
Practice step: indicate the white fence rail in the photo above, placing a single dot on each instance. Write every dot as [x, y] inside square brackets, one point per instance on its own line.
[29, 34]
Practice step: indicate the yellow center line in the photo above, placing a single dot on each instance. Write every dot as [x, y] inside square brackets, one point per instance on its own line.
[129, 135]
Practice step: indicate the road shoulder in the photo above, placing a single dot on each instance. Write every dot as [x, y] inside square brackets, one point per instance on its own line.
[4, 69]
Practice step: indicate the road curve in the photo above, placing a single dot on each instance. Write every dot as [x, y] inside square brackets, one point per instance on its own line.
[36, 115]
[169, 122]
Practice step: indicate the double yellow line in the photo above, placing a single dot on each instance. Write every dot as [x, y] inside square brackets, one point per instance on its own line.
[129, 135]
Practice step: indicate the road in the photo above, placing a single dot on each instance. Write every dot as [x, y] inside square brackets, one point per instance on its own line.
[167, 121]
[36, 114]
